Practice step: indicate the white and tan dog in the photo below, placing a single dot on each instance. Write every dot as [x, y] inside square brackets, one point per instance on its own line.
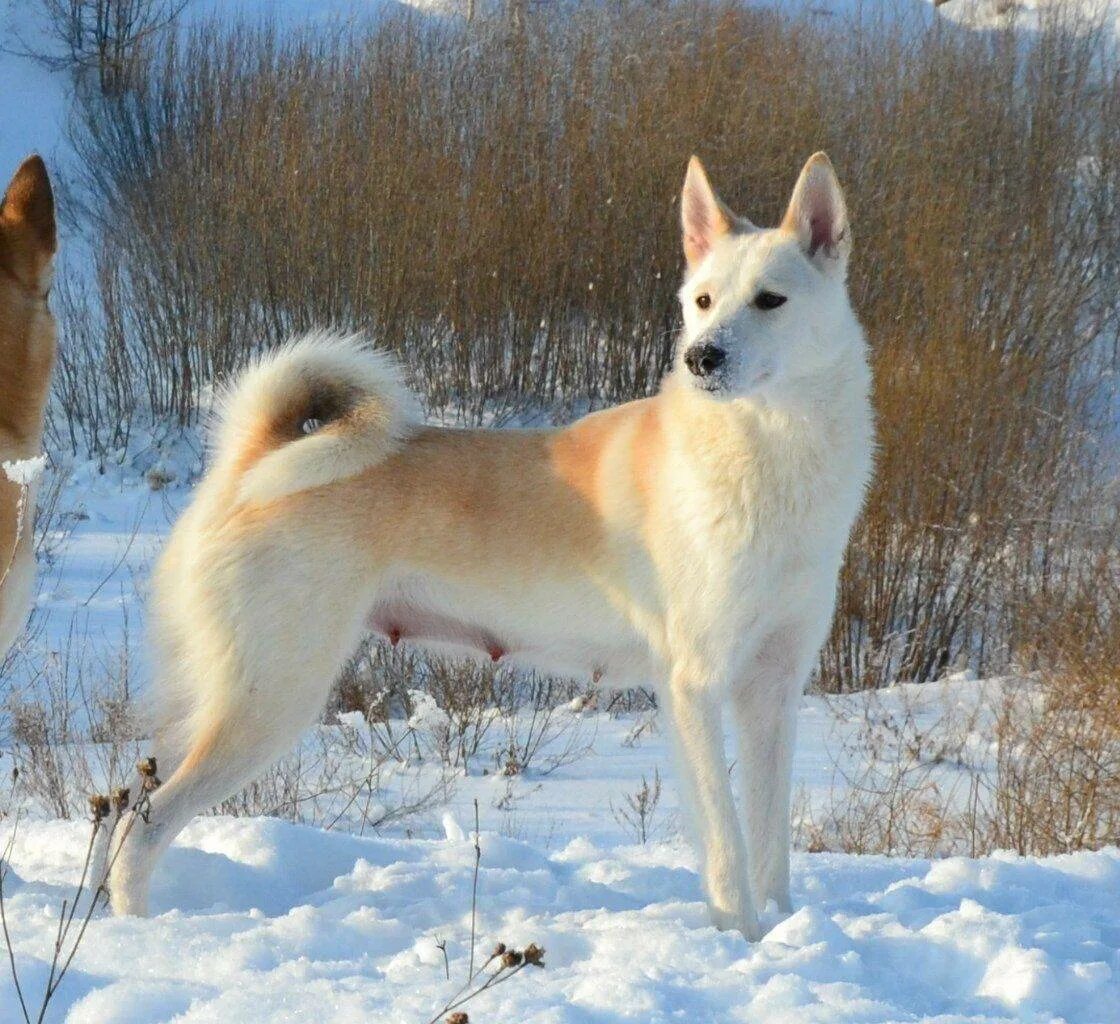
[692, 538]
[27, 349]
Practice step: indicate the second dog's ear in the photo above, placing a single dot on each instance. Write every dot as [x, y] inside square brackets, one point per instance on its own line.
[818, 216]
[704, 217]
[28, 236]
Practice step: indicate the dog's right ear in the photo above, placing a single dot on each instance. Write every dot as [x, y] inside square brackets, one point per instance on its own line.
[704, 216]
[28, 236]
[818, 217]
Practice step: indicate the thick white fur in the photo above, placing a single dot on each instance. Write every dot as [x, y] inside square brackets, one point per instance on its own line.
[710, 569]
[323, 455]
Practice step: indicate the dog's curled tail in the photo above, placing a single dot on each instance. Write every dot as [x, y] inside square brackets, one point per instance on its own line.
[319, 409]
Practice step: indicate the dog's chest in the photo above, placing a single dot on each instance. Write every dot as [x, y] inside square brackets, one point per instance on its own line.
[759, 544]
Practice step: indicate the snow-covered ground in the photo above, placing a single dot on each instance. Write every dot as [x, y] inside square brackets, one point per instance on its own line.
[259, 920]
[268, 922]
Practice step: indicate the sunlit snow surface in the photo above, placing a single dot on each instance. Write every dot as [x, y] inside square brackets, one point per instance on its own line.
[258, 920]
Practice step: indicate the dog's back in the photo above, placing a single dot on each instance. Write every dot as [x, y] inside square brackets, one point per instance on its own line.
[27, 348]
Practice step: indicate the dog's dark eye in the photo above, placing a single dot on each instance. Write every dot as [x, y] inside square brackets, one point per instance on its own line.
[769, 300]
[704, 301]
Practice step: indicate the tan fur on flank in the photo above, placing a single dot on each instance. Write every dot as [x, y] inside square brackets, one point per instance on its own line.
[690, 541]
[27, 349]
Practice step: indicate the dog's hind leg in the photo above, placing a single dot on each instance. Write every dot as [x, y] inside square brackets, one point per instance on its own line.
[166, 745]
[227, 752]
[263, 689]
[702, 767]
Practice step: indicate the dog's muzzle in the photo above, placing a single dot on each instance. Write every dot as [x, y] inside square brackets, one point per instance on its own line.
[704, 359]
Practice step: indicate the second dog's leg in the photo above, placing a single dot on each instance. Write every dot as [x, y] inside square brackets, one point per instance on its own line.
[702, 766]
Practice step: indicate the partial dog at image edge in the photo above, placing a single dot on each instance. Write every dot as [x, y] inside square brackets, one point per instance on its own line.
[692, 539]
[27, 351]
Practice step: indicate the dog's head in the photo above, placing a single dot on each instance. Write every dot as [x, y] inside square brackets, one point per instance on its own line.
[27, 230]
[764, 308]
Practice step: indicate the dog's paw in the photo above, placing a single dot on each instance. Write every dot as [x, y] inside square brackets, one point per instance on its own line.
[736, 921]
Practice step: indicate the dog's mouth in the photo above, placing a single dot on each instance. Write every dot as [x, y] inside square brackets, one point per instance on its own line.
[718, 384]
[759, 379]
[714, 383]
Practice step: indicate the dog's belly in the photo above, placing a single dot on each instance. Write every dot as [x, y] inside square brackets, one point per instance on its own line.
[599, 647]
[397, 620]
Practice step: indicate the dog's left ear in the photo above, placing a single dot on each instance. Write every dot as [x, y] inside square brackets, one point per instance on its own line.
[28, 236]
[818, 217]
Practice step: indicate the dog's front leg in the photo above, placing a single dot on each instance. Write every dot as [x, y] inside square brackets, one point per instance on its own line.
[765, 702]
[765, 710]
[706, 790]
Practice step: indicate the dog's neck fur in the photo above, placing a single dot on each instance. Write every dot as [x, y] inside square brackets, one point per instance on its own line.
[27, 350]
[782, 450]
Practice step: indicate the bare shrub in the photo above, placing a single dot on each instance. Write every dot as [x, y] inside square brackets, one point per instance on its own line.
[1031, 765]
[419, 706]
[543, 725]
[71, 729]
[1057, 771]
[95, 385]
[639, 809]
[339, 777]
[638, 700]
[903, 779]
[990, 350]
[497, 207]
[105, 38]
[467, 696]
[459, 712]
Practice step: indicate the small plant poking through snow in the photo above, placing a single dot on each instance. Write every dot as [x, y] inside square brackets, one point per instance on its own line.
[640, 808]
[501, 965]
[107, 814]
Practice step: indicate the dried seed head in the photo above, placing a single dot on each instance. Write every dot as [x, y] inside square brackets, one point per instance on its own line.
[150, 781]
[121, 799]
[511, 958]
[458, 1017]
[499, 949]
[99, 807]
[534, 955]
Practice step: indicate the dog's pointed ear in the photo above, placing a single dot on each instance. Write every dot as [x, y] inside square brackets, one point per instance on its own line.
[818, 217]
[704, 217]
[28, 236]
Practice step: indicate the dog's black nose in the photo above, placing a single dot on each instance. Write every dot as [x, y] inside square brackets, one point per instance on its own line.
[704, 360]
